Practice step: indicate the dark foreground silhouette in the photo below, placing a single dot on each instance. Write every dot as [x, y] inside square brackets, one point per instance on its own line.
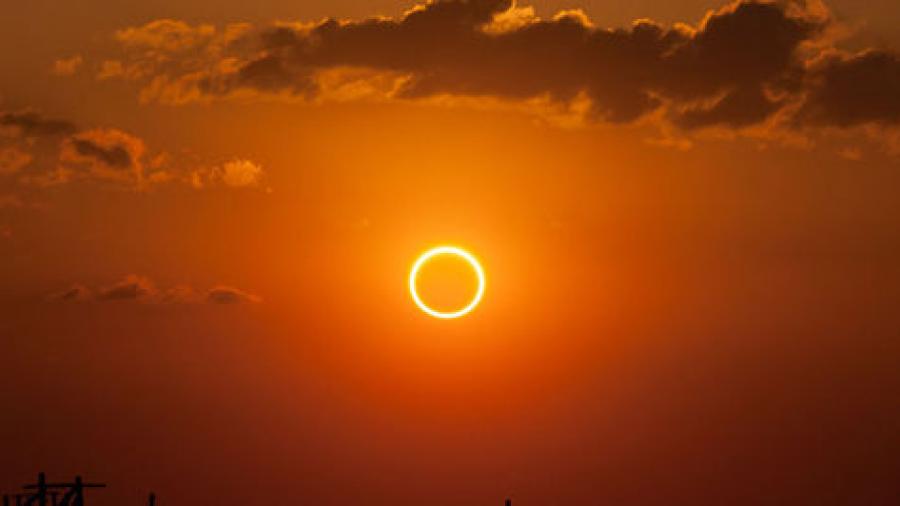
[42, 493]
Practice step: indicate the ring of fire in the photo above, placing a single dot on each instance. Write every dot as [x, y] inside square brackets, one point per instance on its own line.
[446, 250]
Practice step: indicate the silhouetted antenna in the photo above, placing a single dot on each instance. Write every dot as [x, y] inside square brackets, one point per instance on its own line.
[151, 501]
[508, 502]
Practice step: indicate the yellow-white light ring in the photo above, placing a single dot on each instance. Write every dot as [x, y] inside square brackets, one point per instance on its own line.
[446, 250]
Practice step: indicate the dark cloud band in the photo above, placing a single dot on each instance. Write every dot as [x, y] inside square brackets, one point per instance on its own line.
[738, 67]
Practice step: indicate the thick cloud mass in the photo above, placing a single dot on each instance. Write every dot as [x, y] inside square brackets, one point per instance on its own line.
[445, 49]
[854, 89]
[740, 66]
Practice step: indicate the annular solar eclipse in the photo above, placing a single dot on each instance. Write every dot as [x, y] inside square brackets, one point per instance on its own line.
[453, 251]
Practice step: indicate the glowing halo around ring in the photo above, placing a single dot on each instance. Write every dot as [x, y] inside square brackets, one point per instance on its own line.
[446, 250]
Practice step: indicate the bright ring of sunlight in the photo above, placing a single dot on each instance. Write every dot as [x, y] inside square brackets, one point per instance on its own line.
[446, 250]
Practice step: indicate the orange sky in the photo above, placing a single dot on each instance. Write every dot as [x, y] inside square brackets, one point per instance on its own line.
[690, 235]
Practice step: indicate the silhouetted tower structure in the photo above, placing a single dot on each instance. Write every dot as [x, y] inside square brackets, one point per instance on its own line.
[73, 493]
[39, 497]
[508, 502]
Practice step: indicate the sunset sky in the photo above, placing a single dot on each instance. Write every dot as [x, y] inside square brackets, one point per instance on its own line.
[688, 214]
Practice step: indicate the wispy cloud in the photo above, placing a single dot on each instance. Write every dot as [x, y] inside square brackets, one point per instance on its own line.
[229, 295]
[67, 66]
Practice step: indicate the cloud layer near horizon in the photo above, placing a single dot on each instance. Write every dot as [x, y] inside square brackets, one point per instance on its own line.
[136, 288]
[748, 63]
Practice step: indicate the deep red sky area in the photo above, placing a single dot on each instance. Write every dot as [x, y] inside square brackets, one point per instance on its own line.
[689, 226]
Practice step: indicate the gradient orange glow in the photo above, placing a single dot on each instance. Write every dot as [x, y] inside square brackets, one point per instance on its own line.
[209, 218]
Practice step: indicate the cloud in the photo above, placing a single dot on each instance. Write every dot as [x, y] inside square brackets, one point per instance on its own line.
[241, 173]
[236, 173]
[104, 154]
[36, 151]
[67, 66]
[131, 287]
[75, 293]
[494, 48]
[229, 295]
[853, 89]
[29, 144]
[119, 155]
[168, 35]
[740, 107]
[110, 69]
[31, 124]
[137, 288]
[107, 147]
[179, 294]
[750, 63]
